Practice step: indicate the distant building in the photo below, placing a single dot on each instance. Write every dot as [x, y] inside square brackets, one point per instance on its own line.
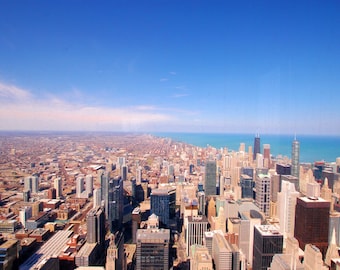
[296, 158]
[89, 185]
[200, 258]
[31, 183]
[210, 178]
[79, 186]
[58, 187]
[267, 242]
[257, 146]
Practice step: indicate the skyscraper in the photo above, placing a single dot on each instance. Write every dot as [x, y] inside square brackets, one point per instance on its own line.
[257, 146]
[262, 197]
[95, 221]
[267, 242]
[115, 203]
[58, 187]
[153, 247]
[312, 222]
[31, 183]
[89, 185]
[210, 178]
[296, 158]
[163, 204]
[286, 208]
[195, 227]
[79, 186]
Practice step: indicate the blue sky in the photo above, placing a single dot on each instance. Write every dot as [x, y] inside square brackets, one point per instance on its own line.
[189, 66]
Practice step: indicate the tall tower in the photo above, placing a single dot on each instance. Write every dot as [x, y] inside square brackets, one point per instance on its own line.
[163, 204]
[210, 178]
[58, 187]
[257, 146]
[79, 186]
[115, 203]
[286, 208]
[296, 158]
[312, 222]
[262, 197]
[95, 222]
[267, 242]
[89, 185]
[266, 156]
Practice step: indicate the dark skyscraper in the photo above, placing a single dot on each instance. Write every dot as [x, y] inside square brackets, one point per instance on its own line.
[210, 178]
[257, 146]
[163, 205]
[296, 158]
[312, 222]
[115, 204]
[267, 242]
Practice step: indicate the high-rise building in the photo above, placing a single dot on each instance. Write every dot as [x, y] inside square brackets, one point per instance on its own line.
[163, 204]
[262, 189]
[58, 187]
[296, 158]
[247, 186]
[31, 183]
[195, 227]
[224, 254]
[313, 259]
[286, 208]
[136, 220]
[89, 185]
[97, 198]
[115, 203]
[153, 247]
[257, 146]
[210, 178]
[312, 222]
[266, 156]
[79, 186]
[267, 242]
[200, 258]
[139, 175]
[201, 203]
[95, 221]
[104, 184]
[124, 172]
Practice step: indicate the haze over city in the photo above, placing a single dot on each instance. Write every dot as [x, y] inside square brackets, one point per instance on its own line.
[198, 66]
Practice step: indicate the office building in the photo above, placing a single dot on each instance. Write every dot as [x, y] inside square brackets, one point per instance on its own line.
[115, 256]
[267, 242]
[286, 208]
[124, 172]
[247, 186]
[136, 221]
[104, 184]
[210, 178]
[153, 247]
[115, 204]
[163, 204]
[195, 227]
[312, 222]
[31, 183]
[313, 259]
[296, 158]
[58, 187]
[97, 197]
[89, 185]
[79, 186]
[262, 189]
[95, 221]
[201, 203]
[9, 252]
[139, 175]
[224, 254]
[257, 146]
[200, 258]
[266, 156]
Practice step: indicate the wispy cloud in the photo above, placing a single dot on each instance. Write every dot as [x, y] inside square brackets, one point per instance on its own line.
[172, 73]
[181, 87]
[180, 95]
[27, 112]
[13, 92]
[163, 79]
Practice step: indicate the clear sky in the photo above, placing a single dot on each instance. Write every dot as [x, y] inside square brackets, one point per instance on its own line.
[191, 66]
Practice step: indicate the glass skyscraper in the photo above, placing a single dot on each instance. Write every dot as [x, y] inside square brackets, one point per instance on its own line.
[210, 178]
[296, 158]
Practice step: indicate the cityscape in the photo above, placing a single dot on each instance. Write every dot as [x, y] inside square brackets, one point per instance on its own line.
[77, 200]
[169, 134]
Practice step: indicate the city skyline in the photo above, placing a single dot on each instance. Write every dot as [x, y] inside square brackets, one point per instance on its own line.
[193, 66]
